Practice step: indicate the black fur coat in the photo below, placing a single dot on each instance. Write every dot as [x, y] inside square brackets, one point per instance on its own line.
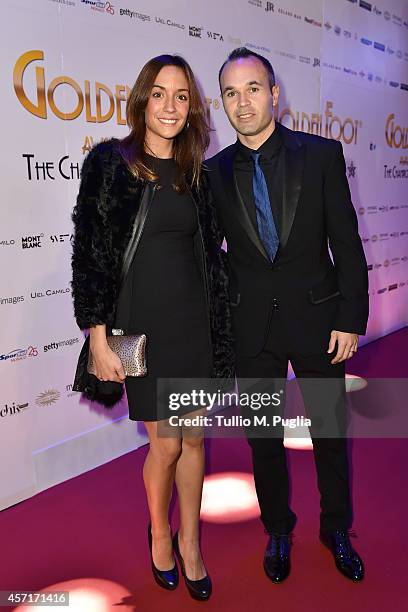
[108, 201]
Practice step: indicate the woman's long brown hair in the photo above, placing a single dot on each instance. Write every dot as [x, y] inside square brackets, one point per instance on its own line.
[189, 145]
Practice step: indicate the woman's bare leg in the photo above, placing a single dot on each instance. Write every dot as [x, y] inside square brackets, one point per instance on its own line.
[158, 474]
[189, 482]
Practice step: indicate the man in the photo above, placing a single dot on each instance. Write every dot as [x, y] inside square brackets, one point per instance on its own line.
[283, 199]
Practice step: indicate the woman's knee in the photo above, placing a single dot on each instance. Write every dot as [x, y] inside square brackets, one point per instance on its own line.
[193, 439]
[167, 451]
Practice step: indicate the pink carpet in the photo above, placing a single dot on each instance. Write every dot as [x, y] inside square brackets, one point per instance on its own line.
[94, 526]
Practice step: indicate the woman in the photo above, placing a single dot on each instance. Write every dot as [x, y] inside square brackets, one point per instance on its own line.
[175, 291]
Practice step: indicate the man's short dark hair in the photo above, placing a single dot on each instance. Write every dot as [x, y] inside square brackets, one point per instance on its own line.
[242, 52]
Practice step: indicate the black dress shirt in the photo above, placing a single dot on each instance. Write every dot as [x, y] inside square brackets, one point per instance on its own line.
[271, 162]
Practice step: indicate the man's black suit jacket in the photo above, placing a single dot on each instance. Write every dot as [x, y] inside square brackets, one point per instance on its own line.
[313, 292]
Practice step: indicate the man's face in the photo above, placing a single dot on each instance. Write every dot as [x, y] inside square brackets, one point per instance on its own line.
[247, 96]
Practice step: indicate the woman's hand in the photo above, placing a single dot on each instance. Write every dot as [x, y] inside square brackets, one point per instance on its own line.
[108, 366]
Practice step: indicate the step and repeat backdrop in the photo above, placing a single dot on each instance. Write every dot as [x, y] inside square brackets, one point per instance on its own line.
[67, 68]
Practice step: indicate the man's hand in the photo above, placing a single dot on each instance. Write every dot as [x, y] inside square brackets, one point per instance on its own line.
[346, 345]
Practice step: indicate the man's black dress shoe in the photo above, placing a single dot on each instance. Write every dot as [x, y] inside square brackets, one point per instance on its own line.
[198, 589]
[348, 562]
[168, 579]
[277, 557]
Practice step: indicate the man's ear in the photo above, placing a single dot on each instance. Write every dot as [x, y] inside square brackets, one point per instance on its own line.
[275, 94]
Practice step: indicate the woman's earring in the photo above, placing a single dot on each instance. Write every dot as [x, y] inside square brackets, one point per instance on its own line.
[187, 125]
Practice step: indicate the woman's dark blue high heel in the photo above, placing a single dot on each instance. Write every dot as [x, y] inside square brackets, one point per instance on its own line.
[168, 579]
[198, 589]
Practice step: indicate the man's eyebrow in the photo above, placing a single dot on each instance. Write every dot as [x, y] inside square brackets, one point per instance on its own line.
[164, 89]
[230, 87]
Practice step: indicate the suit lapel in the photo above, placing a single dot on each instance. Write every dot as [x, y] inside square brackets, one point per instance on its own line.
[292, 180]
[235, 199]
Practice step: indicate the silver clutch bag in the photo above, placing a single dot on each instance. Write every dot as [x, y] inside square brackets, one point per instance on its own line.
[131, 350]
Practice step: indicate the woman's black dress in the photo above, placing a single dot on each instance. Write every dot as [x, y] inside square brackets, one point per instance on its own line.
[165, 289]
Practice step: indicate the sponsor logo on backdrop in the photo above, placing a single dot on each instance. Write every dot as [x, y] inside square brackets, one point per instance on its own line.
[337, 30]
[351, 170]
[288, 13]
[395, 172]
[377, 11]
[57, 345]
[331, 66]
[312, 21]
[15, 299]
[89, 99]
[69, 391]
[46, 170]
[260, 48]
[11, 242]
[31, 242]
[215, 36]
[390, 50]
[326, 124]
[64, 2]
[404, 86]
[316, 62]
[366, 41]
[19, 354]
[347, 34]
[396, 136]
[285, 54]
[393, 84]
[49, 292]
[101, 7]
[379, 46]
[12, 409]
[365, 5]
[235, 41]
[304, 59]
[195, 31]
[47, 398]
[170, 22]
[58, 238]
[397, 19]
[361, 210]
[328, 26]
[269, 6]
[134, 15]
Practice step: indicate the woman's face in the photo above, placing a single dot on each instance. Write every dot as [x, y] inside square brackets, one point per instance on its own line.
[168, 105]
